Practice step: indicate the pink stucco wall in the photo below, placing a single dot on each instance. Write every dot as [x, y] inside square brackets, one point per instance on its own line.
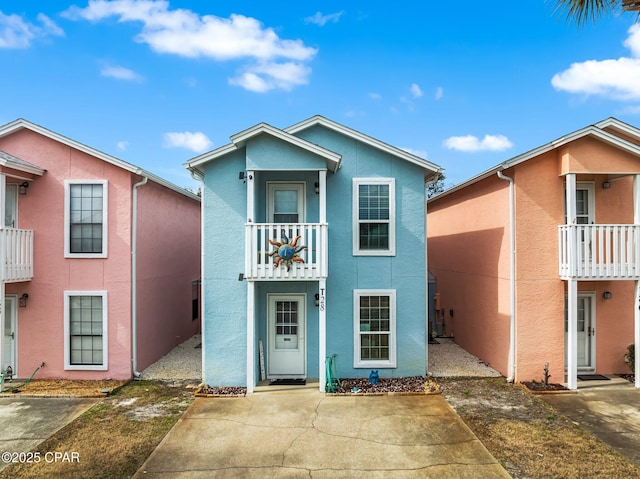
[468, 253]
[168, 262]
[170, 222]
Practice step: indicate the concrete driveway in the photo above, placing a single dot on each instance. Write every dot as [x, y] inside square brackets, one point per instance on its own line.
[300, 432]
[610, 410]
[27, 421]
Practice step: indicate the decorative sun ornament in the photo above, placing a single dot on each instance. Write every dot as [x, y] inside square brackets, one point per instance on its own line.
[286, 251]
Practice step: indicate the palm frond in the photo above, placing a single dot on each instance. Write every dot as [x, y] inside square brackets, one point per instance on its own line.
[583, 11]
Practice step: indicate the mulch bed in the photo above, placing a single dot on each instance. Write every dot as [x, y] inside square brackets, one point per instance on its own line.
[542, 388]
[63, 388]
[220, 391]
[406, 385]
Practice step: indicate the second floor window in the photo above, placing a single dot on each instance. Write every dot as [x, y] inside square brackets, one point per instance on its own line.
[86, 215]
[374, 216]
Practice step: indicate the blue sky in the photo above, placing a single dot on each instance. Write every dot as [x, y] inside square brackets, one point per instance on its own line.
[464, 84]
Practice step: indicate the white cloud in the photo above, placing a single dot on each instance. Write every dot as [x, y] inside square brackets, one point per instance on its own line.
[416, 91]
[197, 142]
[322, 20]
[268, 76]
[613, 78]
[375, 96]
[185, 33]
[122, 145]
[120, 73]
[470, 143]
[15, 32]
[439, 93]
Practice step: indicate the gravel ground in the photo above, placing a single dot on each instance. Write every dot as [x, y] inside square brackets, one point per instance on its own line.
[446, 359]
[184, 362]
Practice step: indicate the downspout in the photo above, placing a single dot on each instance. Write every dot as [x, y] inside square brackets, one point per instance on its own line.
[199, 177]
[134, 278]
[512, 278]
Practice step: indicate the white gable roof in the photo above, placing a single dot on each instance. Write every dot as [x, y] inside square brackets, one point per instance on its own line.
[239, 140]
[20, 124]
[380, 145]
[594, 131]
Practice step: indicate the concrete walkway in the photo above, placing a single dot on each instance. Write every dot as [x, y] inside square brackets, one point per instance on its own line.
[610, 410]
[299, 432]
[26, 422]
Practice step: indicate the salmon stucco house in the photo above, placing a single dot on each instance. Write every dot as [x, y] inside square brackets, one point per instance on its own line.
[538, 259]
[99, 259]
[313, 246]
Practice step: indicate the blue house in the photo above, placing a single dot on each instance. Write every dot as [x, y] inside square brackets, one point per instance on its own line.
[313, 246]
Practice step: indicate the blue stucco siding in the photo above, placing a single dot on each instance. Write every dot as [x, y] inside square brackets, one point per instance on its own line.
[405, 272]
[224, 297]
[224, 217]
[265, 152]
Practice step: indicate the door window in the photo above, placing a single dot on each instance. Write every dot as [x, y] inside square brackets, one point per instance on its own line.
[285, 203]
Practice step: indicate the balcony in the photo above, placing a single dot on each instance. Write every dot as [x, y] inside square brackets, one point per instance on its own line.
[17, 249]
[599, 252]
[260, 264]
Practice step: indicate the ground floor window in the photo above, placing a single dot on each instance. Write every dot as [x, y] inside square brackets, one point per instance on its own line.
[374, 328]
[85, 330]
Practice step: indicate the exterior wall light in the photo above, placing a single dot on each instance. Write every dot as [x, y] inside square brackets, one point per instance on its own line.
[22, 300]
[607, 295]
[23, 188]
[606, 185]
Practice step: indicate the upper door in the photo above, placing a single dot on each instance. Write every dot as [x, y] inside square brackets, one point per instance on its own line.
[585, 204]
[285, 202]
[11, 206]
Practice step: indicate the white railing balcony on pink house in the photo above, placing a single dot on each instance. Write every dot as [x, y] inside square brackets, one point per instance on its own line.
[599, 252]
[261, 261]
[17, 249]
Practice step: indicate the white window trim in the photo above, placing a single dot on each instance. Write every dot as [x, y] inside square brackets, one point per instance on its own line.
[392, 361]
[272, 186]
[392, 217]
[67, 333]
[67, 218]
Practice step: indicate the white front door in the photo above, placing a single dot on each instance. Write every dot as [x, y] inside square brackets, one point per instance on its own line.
[586, 332]
[285, 202]
[286, 322]
[9, 334]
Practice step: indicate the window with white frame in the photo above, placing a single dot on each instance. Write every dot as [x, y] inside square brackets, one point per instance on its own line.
[85, 219]
[374, 318]
[374, 222]
[85, 330]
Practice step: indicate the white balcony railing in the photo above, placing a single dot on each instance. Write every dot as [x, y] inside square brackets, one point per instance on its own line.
[260, 264]
[599, 251]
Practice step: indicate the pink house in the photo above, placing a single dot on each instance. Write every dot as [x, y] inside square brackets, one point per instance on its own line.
[537, 260]
[101, 259]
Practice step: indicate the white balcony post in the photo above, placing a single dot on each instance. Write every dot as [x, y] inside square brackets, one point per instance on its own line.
[571, 220]
[322, 332]
[250, 336]
[322, 181]
[636, 333]
[572, 334]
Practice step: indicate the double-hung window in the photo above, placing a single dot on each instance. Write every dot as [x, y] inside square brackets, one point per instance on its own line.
[374, 222]
[85, 219]
[85, 330]
[374, 318]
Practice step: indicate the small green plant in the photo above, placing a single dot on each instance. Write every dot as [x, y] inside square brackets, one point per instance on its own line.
[630, 357]
[467, 393]
[551, 417]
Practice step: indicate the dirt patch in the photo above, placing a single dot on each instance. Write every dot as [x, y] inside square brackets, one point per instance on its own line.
[539, 386]
[529, 437]
[64, 387]
[116, 436]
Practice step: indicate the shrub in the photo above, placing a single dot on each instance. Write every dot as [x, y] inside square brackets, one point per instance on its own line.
[630, 357]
